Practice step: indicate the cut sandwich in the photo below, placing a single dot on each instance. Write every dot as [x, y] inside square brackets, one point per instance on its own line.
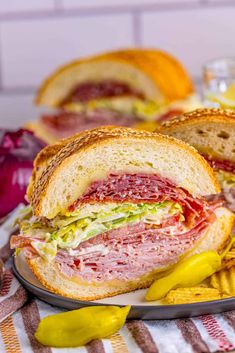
[124, 87]
[113, 208]
[130, 74]
[212, 133]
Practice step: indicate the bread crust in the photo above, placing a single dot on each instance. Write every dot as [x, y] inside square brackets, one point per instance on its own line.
[45, 156]
[201, 115]
[81, 143]
[148, 61]
[210, 131]
[174, 70]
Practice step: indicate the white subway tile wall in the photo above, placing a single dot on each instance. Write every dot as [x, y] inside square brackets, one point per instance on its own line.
[31, 49]
[37, 36]
[194, 36]
[16, 109]
[15, 6]
[113, 3]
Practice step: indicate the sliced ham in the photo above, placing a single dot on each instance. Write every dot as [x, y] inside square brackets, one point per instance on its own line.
[229, 195]
[64, 124]
[20, 241]
[131, 252]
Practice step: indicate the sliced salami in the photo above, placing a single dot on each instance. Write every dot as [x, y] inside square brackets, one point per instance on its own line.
[87, 91]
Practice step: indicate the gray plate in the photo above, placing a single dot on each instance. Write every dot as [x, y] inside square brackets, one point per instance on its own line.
[140, 309]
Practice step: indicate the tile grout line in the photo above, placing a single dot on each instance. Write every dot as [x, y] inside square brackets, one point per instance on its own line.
[60, 12]
[19, 90]
[137, 28]
[58, 5]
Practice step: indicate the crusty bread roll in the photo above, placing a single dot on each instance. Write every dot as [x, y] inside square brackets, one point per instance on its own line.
[215, 238]
[210, 131]
[64, 172]
[93, 155]
[174, 79]
[41, 131]
[45, 156]
[156, 74]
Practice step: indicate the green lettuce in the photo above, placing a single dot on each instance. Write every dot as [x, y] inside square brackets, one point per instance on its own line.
[226, 179]
[69, 230]
[146, 109]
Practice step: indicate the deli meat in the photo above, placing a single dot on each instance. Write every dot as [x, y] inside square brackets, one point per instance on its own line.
[228, 192]
[64, 124]
[130, 252]
[219, 164]
[87, 91]
[135, 187]
[170, 114]
[229, 195]
[144, 188]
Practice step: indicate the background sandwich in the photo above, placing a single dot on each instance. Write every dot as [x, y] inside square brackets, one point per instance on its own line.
[212, 133]
[124, 87]
[114, 207]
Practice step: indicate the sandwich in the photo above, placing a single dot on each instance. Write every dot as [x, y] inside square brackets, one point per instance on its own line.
[126, 88]
[212, 133]
[113, 208]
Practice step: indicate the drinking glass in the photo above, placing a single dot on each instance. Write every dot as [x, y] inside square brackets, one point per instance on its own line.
[219, 83]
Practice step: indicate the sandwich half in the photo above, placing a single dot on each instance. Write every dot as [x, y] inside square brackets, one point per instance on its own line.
[212, 133]
[124, 88]
[125, 74]
[113, 208]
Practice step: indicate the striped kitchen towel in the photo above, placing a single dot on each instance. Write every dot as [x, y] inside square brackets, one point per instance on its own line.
[20, 315]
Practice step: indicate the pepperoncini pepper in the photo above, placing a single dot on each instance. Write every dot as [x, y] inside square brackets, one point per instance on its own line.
[187, 273]
[78, 327]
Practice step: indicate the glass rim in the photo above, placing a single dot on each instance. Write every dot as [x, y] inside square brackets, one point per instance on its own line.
[219, 60]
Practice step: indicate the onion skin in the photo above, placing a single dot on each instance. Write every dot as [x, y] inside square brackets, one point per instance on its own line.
[17, 152]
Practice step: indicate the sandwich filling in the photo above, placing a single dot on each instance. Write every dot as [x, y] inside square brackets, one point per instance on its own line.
[90, 90]
[123, 111]
[65, 123]
[122, 228]
[225, 172]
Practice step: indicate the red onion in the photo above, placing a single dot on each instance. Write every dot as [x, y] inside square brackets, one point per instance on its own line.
[17, 152]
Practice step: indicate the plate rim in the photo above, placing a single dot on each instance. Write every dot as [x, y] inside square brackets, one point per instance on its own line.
[165, 307]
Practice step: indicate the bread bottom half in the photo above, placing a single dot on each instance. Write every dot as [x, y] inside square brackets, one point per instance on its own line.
[49, 274]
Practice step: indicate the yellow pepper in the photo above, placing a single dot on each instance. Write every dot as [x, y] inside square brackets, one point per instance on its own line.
[78, 327]
[187, 273]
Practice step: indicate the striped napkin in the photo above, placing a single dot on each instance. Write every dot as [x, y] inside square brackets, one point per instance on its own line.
[20, 314]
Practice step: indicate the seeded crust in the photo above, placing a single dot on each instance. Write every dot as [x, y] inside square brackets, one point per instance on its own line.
[180, 83]
[84, 141]
[201, 114]
[210, 131]
[45, 156]
[165, 72]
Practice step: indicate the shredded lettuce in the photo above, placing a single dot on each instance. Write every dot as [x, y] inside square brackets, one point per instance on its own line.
[69, 230]
[147, 109]
[46, 250]
[226, 179]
